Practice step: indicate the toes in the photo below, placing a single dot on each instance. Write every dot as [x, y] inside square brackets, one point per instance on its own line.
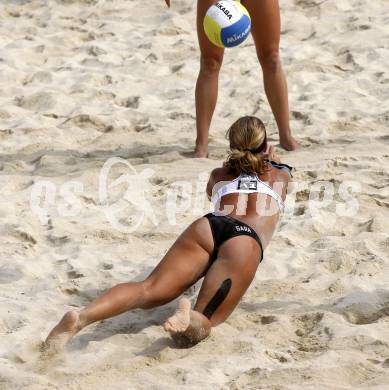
[168, 326]
[174, 326]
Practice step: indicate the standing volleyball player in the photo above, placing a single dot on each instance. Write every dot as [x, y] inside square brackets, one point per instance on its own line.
[265, 18]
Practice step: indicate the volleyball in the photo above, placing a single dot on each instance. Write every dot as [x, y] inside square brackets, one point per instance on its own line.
[227, 23]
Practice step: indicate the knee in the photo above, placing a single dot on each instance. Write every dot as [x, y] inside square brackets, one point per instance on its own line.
[210, 65]
[154, 295]
[270, 61]
[148, 293]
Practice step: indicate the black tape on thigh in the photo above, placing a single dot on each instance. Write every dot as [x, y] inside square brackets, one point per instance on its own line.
[218, 298]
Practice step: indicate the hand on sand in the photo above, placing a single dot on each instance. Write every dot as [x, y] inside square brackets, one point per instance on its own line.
[270, 151]
[167, 3]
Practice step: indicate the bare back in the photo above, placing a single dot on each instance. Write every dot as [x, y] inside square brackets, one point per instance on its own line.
[258, 210]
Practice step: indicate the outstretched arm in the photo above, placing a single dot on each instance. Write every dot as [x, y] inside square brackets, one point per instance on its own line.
[167, 3]
[272, 154]
[273, 157]
[210, 184]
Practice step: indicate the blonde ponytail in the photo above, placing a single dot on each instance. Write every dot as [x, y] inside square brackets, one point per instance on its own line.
[248, 144]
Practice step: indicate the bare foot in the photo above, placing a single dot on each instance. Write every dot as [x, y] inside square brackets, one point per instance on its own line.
[289, 143]
[62, 333]
[201, 151]
[180, 321]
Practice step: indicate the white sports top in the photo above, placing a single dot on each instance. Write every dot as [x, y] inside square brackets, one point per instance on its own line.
[247, 184]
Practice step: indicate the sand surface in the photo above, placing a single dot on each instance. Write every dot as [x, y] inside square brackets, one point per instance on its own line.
[83, 81]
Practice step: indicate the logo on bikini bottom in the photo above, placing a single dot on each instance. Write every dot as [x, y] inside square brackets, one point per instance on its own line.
[243, 229]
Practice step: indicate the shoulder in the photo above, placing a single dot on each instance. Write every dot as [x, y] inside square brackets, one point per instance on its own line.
[282, 168]
[279, 175]
[219, 174]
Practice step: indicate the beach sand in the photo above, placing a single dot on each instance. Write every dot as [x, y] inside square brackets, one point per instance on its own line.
[84, 81]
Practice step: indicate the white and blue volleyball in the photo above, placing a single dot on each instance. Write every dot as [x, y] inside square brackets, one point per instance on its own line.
[227, 23]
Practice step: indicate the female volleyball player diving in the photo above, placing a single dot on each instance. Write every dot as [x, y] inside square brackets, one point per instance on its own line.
[265, 29]
[224, 247]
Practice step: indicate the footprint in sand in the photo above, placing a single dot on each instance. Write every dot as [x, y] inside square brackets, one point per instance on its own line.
[24, 236]
[9, 274]
[312, 337]
[40, 101]
[301, 117]
[87, 122]
[41, 77]
[365, 313]
[129, 102]
[307, 323]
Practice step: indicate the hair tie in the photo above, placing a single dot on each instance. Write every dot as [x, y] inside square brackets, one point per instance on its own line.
[257, 150]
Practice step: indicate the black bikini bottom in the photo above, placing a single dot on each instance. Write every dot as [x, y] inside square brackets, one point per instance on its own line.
[224, 227]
